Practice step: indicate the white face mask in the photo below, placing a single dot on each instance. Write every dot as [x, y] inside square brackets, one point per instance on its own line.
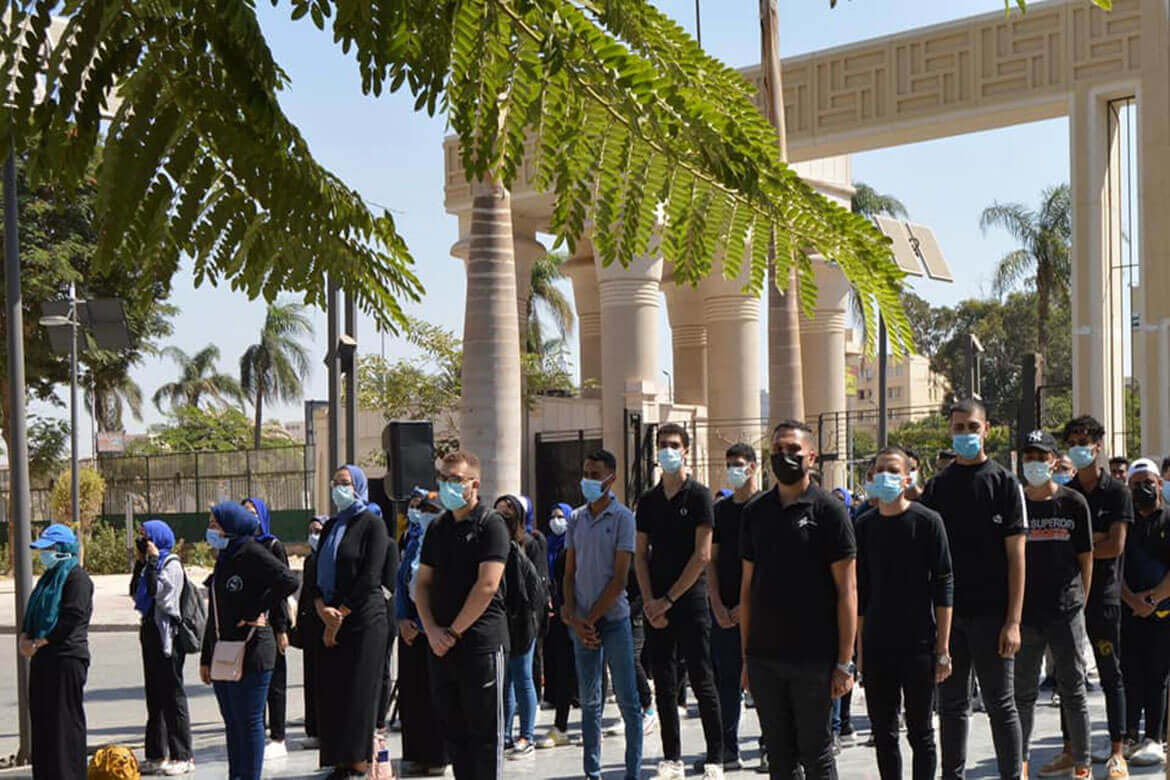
[558, 525]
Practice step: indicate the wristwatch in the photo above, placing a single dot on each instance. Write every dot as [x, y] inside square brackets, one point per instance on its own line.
[849, 668]
[943, 659]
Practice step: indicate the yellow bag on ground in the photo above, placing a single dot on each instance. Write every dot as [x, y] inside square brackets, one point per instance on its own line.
[113, 762]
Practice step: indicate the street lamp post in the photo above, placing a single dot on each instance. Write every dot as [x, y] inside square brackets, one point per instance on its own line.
[73, 433]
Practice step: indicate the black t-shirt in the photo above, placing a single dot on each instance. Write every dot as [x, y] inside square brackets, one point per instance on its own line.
[981, 506]
[1109, 503]
[728, 521]
[794, 596]
[70, 637]
[670, 523]
[455, 550]
[903, 573]
[1147, 556]
[1058, 531]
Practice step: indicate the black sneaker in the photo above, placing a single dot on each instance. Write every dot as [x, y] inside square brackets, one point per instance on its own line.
[762, 768]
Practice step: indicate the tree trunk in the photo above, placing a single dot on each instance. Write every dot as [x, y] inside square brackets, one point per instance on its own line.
[1043, 292]
[259, 413]
[785, 377]
[492, 414]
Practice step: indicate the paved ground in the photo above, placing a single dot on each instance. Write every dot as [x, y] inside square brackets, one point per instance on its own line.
[116, 713]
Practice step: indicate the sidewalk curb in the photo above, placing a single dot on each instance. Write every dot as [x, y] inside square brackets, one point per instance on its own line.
[100, 628]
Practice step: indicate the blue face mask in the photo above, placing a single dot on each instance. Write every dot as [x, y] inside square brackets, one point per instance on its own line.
[1082, 456]
[1037, 472]
[313, 540]
[451, 495]
[888, 487]
[868, 485]
[343, 497]
[592, 489]
[1166, 492]
[217, 540]
[423, 519]
[967, 445]
[737, 476]
[913, 478]
[50, 558]
[1062, 479]
[670, 460]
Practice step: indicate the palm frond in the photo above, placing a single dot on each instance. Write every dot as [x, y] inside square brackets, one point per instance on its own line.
[1017, 219]
[1011, 268]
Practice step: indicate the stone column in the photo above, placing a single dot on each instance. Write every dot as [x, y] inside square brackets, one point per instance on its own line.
[1152, 347]
[688, 328]
[733, 367]
[587, 302]
[822, 345]
[1097, 322]
[629, 347]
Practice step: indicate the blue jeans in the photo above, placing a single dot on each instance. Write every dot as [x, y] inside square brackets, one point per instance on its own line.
[519, 685]
[242, 706]
[617, 650]
[725, 652]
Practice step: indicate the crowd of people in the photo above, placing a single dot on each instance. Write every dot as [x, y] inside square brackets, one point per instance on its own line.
[972, 584]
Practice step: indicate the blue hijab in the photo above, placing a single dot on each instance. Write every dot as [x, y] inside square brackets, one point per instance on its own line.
[327, 548]
[238, 525]
[264, 532]
[164, 539]
[44, 606]
[556, 542]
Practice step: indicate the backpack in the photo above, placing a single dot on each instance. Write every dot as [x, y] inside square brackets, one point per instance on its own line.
[192, 616]
[524, 598]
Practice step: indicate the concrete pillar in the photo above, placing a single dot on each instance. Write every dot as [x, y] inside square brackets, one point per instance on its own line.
[822, 347]
[688, 330]
[1152, 348]
[587, 302]
[1098, 324]
[733, 366]
[629, 348]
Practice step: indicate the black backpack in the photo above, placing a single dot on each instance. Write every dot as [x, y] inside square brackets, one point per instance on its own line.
[192, 615]
[525, 598]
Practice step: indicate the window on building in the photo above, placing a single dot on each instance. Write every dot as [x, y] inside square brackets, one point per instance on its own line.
[898, 370]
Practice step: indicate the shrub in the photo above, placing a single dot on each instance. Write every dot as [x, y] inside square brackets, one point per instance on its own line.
[194, 553]
[105, 551]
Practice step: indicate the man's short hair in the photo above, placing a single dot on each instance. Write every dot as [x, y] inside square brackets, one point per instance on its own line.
[1165, 463]
[1086, 424]
[462, 456]
[673, 429]
[742, 450]
[968, 406]
[898, 451]
[1118, 459]
[604, 457]
[793, 425]
[909, 453]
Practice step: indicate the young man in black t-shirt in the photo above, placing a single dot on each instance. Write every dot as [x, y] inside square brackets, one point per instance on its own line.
[724, 572]
[905, 591]
[462, 613]
[1145, 626]
[1111, 511]
[674, 522]
[1060, 568]
[982, 507]
[798, 608]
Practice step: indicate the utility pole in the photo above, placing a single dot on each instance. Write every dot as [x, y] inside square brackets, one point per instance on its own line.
[75, 478]
[883, 402]
[350, 365]
[333, 366]
[18, 441]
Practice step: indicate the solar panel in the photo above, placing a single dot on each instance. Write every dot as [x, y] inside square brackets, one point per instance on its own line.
[930, 253]
[904, 254]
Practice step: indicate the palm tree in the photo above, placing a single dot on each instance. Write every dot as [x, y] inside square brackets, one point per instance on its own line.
[274, 368]
[1045, 252]
[870, 203]
[197, 379]
[545, 298]
[116, 392]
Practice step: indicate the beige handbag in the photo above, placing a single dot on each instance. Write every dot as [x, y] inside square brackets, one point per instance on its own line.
[227, 658]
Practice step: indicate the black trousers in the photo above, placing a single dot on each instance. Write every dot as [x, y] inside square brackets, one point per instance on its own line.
[309, 662]
[278, 698]
[560, 671]
[686, 637]
[422, 730]
[892, 678]
[387, 688]
[975, 645]
[1103, 625]
[56, 709]
[1145, 666]
[469, 688]
[638, 627]
[168, 722]
[795, 707]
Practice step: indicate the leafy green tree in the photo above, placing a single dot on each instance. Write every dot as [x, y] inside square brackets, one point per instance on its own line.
[206, 429]
[1045, 254]
[275, 367]
[198, 381]
[870, 203]
[48, 444]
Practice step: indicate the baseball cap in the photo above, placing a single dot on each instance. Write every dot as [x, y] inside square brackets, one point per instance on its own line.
[54, 534]
[1142, 464]
[1040, 440]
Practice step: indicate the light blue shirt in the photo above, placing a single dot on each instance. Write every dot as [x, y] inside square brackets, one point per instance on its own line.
[595, 542]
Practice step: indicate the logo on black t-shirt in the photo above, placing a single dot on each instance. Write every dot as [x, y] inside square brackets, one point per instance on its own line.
[997, 519]
[805, 521]
[234, 584]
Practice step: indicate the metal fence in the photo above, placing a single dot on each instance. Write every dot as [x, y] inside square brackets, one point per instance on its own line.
[186, 483]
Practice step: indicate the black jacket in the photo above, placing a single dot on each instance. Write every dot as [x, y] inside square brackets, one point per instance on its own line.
[360, 566]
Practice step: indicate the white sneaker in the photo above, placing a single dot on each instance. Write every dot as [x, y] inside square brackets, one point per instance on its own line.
[554, 738]
[274, 750]
[178, 768]
[1149, 753]
[671, 770]
[712, 772]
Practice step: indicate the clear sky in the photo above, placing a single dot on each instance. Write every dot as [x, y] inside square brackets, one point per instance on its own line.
[392, 156]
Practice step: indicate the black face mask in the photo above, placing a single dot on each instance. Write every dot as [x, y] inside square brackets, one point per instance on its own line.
[1145, 495]
[789, 469]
